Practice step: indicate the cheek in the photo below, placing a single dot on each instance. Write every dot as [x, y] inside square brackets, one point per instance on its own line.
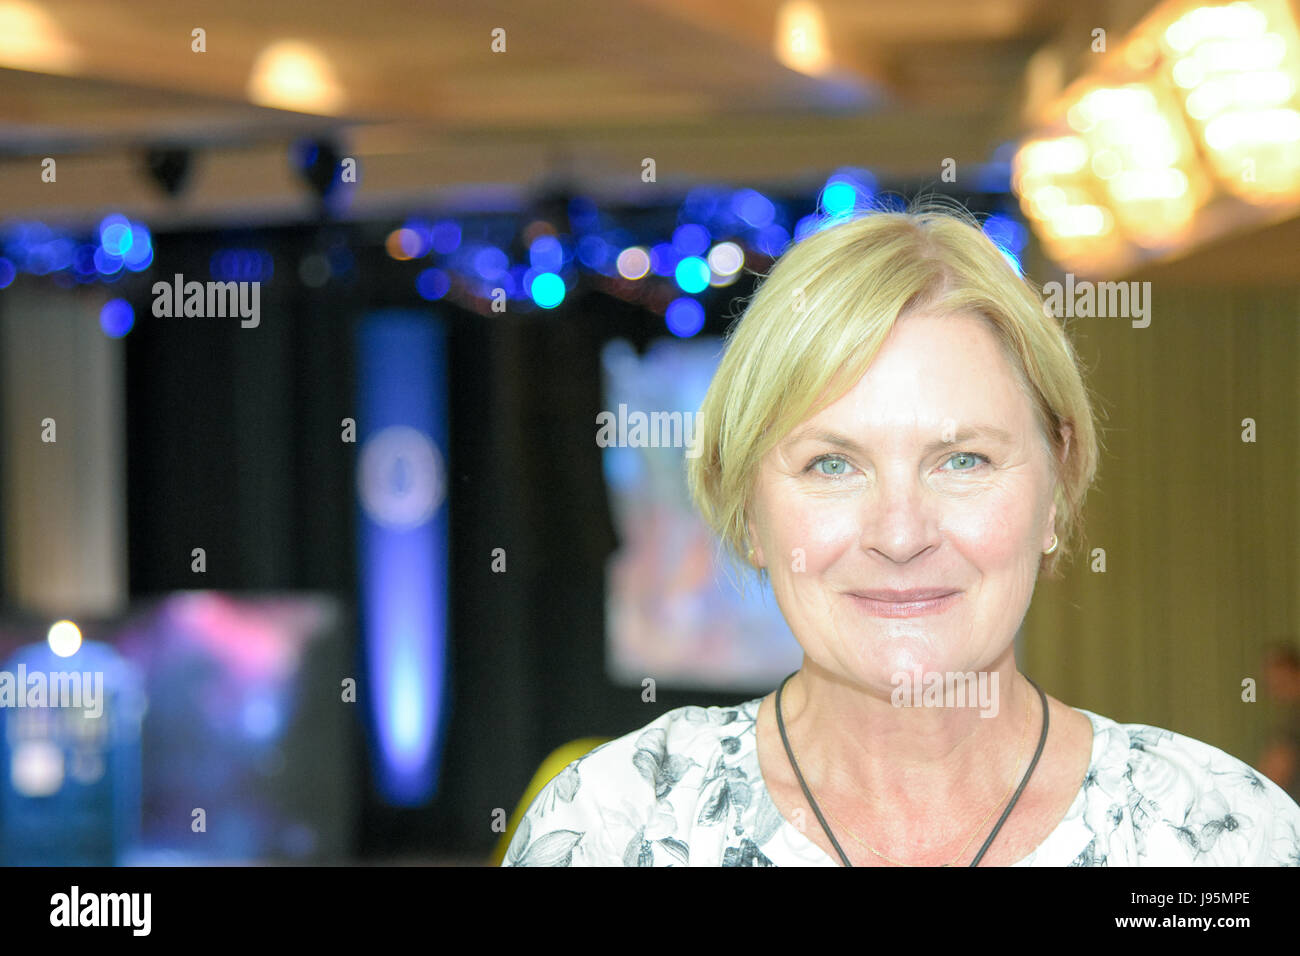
[823, 530]
[993, 533]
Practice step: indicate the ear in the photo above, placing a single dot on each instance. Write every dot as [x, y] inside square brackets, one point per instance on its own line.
[1067, 435]
[757, 561]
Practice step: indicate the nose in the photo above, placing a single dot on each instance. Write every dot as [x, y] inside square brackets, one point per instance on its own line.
[900, 520]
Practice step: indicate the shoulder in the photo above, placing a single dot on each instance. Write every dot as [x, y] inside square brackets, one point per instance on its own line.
[1159, 797]
[628, 802]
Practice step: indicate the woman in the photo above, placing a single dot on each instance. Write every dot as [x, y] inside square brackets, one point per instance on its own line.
[899, 436]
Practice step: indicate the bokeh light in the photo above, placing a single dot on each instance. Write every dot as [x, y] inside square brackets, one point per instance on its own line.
[547, 290]
[116, 318]
[432, 284]
[684, 317]
[115, 235]
[634, 263]
[691, 239]
[64, 638]
[546, 254]
[693, 274]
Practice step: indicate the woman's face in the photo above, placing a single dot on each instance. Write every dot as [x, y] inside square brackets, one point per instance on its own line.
[930, 475]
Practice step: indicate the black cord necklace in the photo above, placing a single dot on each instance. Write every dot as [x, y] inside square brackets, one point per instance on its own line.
[1042, 739]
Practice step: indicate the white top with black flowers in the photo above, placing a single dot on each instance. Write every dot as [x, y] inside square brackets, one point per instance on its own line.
[685, 790]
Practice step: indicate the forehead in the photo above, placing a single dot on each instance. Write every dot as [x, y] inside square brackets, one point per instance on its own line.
[934, 369]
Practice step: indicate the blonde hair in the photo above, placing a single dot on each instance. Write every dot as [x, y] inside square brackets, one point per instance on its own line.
[817, 320]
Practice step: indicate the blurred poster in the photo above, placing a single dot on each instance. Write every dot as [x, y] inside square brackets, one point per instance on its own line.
[675, 608]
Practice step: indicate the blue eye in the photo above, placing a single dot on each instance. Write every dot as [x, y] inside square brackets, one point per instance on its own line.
[832, 459]
[969, 456]
[971, 460]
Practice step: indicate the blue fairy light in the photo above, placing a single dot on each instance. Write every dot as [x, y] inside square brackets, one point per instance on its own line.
[684, 317]
[116, 318]
[693, 274]
[547, 290]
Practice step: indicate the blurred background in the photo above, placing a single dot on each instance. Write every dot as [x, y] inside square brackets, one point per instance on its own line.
[308, 312]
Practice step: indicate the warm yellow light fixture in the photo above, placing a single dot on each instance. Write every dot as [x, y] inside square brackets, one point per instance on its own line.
[1237, 68]
[1140, 149]
[800, 40]
[30, 39]
[1198, 106]
[1063, 198]
[293, 75]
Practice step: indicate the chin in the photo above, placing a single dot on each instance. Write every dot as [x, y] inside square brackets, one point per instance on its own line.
[906, 648]
[906, 653]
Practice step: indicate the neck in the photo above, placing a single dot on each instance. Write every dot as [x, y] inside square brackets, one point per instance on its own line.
[914, 777]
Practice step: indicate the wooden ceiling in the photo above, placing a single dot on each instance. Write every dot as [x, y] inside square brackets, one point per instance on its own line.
[585, 91]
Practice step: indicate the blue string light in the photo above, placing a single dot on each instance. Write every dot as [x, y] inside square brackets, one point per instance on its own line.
[116, 318]
[476, 265]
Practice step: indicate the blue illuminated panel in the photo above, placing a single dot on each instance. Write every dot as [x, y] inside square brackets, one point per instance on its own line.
[402, 532]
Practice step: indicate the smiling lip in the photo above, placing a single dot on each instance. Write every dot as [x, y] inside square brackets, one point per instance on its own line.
[913, 603]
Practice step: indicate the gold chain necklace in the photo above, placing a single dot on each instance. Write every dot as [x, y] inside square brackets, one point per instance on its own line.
[1023, 733]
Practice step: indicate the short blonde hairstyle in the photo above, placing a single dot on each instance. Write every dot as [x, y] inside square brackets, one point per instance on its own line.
[817, 320]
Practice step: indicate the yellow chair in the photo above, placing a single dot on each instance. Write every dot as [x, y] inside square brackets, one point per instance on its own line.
[558, 759]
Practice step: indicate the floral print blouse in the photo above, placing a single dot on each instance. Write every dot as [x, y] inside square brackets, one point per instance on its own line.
[685, 790]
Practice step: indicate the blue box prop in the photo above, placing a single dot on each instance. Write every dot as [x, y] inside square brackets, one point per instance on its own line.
[69, 774]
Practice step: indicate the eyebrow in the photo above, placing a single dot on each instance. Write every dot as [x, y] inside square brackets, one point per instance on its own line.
[965, 434]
